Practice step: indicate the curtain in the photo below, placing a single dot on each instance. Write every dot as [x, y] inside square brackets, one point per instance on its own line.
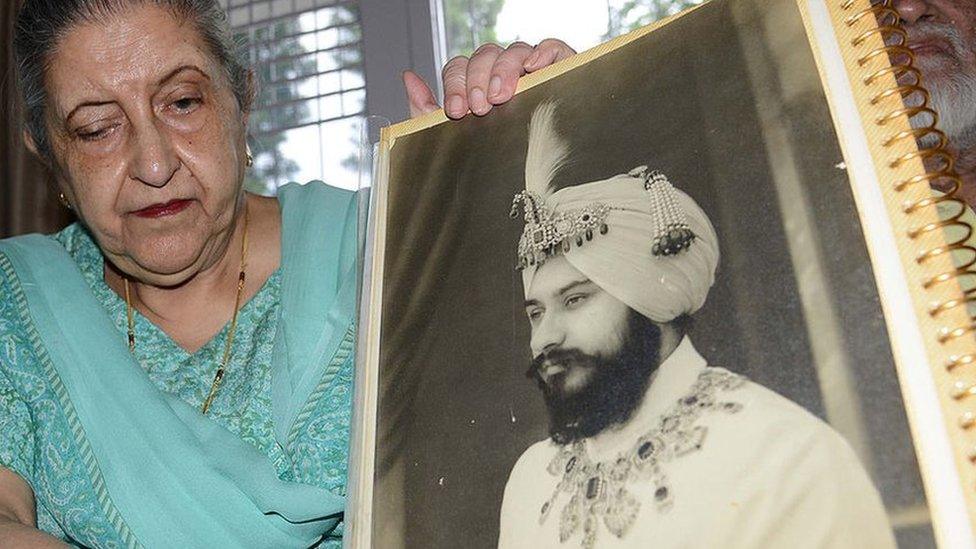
[28, 202]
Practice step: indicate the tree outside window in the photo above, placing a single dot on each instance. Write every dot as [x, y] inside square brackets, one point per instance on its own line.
[308, 68]
[633, 14]
[582, 23]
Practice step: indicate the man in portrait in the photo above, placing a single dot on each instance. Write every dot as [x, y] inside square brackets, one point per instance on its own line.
[648, 444]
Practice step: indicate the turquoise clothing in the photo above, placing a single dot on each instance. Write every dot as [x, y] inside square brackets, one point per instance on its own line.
[114, 446]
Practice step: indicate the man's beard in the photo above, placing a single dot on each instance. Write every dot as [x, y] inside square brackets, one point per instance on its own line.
[951, 83]
[614, 389]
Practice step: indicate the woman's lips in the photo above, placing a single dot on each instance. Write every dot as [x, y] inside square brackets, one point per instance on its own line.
[163, 209]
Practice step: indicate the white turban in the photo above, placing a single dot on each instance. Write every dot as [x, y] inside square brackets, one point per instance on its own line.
[619, 257]
[620, 262]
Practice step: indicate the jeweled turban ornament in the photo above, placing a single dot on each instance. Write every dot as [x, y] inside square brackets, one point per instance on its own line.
[548, 232]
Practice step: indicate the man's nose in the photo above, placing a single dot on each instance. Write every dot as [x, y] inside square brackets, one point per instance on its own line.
[912, 10]
[547, 334]
[154, 160]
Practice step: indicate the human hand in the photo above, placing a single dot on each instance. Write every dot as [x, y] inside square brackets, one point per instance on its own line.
[487, 79]
[18, 516]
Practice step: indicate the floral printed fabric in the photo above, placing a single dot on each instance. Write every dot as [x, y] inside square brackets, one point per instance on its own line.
[37, 443]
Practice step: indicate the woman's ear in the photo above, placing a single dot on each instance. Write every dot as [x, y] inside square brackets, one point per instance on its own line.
[29, 143]
[46, 160]
[250, 96]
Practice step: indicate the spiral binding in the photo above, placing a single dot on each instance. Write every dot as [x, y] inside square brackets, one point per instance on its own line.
[909, 83]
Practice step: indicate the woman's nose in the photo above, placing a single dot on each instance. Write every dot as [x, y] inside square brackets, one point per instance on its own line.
[154, 160]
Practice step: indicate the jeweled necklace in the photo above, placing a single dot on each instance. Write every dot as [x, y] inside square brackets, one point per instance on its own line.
[599, 491]
[219, 376]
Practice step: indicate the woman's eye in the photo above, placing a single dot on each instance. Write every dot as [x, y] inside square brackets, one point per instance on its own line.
[186, 104]
[94, 135]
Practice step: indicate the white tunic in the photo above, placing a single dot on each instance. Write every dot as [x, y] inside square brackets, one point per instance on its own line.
[767, 474]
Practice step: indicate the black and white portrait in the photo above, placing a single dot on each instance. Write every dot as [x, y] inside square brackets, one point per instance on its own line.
[639, 425]
[676, 339]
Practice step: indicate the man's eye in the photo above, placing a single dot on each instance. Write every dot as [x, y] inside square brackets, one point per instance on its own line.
[575, 300]
[534, 314]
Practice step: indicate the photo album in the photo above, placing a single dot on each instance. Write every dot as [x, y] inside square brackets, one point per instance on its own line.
[709, 284]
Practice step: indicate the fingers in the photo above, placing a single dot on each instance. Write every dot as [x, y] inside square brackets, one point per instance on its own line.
[455, 76]
[548, 51]
[479, 74]
[506, 72]
[419, 94]
[488, 78]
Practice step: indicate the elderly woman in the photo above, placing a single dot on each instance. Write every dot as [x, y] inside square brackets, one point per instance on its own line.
[176, 367]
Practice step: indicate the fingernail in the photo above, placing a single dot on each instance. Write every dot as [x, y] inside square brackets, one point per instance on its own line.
[531, 60]
[478, 103]
[495, 86]
[455, 106]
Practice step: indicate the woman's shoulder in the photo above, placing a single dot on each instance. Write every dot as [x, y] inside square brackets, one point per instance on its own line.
[14, 317]
[74, 239]
[314, 187]
[26, 255]
[312, 197]
[317, 210]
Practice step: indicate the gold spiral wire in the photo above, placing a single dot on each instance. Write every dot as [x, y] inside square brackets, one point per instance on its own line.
[940, 172]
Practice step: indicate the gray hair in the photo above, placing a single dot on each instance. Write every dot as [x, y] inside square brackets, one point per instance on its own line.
[41, 24]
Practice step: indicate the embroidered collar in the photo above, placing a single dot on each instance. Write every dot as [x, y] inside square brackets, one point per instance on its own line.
[599, 489]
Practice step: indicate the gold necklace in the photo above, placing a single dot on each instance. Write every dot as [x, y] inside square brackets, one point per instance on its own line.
[219, 376]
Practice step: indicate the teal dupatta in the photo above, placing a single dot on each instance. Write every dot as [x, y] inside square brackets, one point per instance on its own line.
[165, 475]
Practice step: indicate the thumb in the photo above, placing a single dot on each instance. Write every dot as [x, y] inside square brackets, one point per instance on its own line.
[419, 94]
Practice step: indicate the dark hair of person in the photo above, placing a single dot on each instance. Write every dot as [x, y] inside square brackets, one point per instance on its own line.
[616, 387]
[41, 24]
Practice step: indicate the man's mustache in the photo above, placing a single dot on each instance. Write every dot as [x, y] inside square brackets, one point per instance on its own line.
[555, 356]
[927, 31]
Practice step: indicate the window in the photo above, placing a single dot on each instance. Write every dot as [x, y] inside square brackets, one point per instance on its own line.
[468, 23]
[307, 57]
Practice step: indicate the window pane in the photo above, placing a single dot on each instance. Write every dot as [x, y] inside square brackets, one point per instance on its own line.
[307, 57]
[260, 10]
[340, 152]
[469, 23]
[280, 7]
[331, 106]
[353, 102]
[352, 78]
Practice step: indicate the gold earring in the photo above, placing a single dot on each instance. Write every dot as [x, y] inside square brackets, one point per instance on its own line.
[248, 157]
[64, 201]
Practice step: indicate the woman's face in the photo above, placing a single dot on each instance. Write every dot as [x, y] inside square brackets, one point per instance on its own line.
[148, 139]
